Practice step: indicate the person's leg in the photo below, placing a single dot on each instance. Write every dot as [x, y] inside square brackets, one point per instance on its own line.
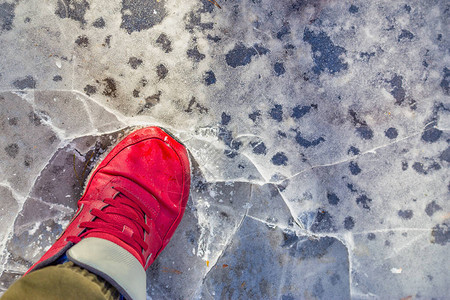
[65, 281]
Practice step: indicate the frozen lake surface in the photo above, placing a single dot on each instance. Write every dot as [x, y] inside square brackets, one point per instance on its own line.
[318, 134]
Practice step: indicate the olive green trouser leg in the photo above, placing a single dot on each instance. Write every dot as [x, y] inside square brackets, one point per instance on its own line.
[66, 281]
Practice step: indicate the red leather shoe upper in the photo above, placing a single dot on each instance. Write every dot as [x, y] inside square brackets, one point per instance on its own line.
[135, 198]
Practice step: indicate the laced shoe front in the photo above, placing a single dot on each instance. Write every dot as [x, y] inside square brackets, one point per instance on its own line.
[124, 217]
[132, 205]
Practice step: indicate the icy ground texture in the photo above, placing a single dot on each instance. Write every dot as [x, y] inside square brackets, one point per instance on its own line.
[319, 135]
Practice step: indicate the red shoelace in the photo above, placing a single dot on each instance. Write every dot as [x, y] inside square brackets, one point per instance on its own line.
[124, 218]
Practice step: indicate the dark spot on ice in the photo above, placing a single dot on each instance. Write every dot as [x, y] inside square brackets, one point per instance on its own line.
[254, 115]
[194, 18]
[366, 55]
[432, 207]
[210, 78]
[12, 150]
[349, 223]
[226, 136]
[285, 29]
[289, 47]
[391, 133]
[200, 186]
[387, 243]
[52, 139]
[82, 41]
[161, 71]
[225, 119]
[335, 278]
[351, 188]
[405, 34]
[164, 42]
[365, 132]
[371, 236]
[318, 289]
[7, 15]
[224, 215]
[28, 82]
[353, 150]
[431, 135]
[13, 121]
[287, 297]
[143, 81]
[75, 10]
[364, 201]
[333, 199]
[136, 93]
[276, 113]
[193, 104]
[140, 15]
[57, 78]
[259, 148]
[300, 111]
[135, 62]
[280, 159]
[215, 39]
[445, 155]
[306, 78]
[326, 55]
[445, 81]
[441, 234]
[230, 153]
[353, 9]
[404, 165]
[323, 222]
[110, 89]
[279, 69]
[406, 214]
[407, 8]
[27, 20]
[34, 119]
[306, 143]
[195, 55]
[107, 41]
[150, 102]
[419, 167]
[90, 90]
[28, 161]
[354, 168]
[99, 23]
[281, 133]
[260, 49]
[398, 92]
[241, 55]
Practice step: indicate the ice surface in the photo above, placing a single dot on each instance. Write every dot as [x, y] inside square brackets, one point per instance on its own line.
[318, 132]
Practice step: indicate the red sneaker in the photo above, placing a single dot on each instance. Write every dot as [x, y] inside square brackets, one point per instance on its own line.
[132, 205]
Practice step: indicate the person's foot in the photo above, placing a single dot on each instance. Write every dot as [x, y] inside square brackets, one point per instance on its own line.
[132, 205]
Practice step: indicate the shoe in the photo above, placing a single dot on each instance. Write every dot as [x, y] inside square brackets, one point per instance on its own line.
[133, 202]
